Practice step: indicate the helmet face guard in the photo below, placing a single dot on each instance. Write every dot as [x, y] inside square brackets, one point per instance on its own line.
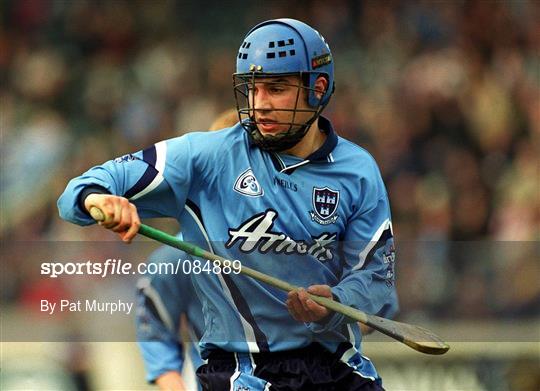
[278, 48]
[243, 83]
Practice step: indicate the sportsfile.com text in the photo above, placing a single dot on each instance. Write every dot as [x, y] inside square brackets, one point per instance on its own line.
[113, 266]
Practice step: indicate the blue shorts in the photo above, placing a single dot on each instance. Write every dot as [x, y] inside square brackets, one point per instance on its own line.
[311, 368]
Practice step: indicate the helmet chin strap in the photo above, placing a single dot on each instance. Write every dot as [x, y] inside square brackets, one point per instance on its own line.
[281, 141]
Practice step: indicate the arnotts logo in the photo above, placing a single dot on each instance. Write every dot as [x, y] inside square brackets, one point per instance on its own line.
[256, 233]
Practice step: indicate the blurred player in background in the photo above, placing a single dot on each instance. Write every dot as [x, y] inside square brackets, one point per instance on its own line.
[284, 194]
[162, 299]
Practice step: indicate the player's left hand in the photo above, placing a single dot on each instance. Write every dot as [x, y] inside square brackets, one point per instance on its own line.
[303, 309]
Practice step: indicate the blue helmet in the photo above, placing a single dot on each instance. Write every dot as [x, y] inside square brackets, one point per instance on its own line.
[282, 47]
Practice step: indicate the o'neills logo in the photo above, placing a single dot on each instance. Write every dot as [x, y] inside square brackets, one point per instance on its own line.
[247, 184]
[319, 61]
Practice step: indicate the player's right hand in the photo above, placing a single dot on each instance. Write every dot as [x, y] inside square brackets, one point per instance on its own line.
[171, 381]
[120, 215]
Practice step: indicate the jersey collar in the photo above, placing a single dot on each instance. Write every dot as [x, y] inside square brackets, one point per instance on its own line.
[330, 143]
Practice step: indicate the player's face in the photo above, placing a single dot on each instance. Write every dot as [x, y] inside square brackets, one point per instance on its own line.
[275, 99]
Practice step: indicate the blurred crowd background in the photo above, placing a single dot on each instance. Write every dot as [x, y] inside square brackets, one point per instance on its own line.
[444, 94]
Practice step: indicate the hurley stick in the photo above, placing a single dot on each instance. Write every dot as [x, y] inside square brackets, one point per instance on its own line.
[416, 337]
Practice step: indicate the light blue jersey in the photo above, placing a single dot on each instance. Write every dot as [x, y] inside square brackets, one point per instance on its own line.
[321, 220]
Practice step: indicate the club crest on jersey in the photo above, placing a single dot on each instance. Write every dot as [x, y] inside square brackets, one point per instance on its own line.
[325, 203]
[248, 185]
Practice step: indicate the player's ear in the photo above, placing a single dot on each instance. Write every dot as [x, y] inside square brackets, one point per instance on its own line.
[321, 84]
